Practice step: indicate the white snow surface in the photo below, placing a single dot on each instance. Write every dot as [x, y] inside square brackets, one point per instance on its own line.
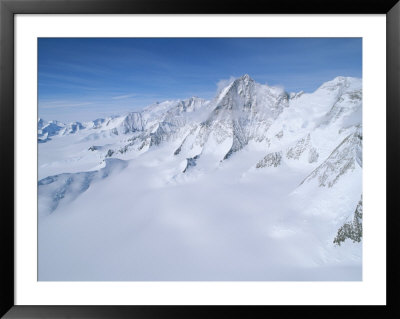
[174, 192]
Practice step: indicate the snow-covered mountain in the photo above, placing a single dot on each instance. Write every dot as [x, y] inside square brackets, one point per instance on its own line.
[294, 160]
[243, 112]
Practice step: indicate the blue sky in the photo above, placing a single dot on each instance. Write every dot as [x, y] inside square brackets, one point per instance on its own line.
[83, 78]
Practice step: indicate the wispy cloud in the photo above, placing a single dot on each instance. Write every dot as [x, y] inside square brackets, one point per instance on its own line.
[62, 104]
[121, 97]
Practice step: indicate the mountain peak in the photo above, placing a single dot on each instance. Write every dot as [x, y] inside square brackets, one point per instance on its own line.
[342, 81]
[194, 98]
[245, 78]
[241, 82]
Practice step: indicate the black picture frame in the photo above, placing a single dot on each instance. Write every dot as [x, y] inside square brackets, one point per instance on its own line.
[8, 8]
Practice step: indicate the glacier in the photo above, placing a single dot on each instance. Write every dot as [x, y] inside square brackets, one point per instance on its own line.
[255, 184]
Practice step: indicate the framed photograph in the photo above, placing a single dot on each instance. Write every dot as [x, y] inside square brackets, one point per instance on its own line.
[161, 155]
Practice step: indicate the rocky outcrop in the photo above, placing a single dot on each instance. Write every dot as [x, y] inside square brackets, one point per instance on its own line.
[342, 160]
[271, 159]
[191, 162]
[353, 229]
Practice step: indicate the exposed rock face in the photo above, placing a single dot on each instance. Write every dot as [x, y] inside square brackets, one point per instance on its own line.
[161, 134]
[94, 148]
[299, 148]
[279, 135]
[132, 122]
[353, 229]
[271, 159]
[190, 162]
[242, 112]
[109, 153]
[341, 161]
[348, 102]
[72, 128]
[313, 155]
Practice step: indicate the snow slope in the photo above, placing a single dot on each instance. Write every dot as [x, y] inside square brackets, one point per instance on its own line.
[252, 185]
